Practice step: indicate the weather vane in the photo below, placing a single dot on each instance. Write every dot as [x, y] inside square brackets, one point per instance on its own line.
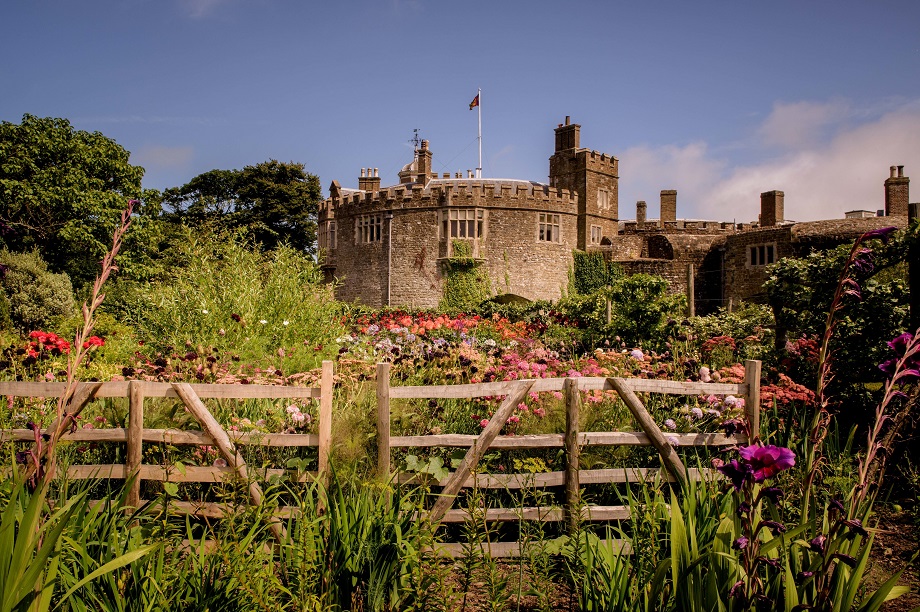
[415, 140]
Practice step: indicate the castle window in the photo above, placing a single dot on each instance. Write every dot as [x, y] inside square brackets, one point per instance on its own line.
[761, 254]
[327, 236]
[370, 228]
[596, 234]
[603, 199]
[548, 227]
[463, 223]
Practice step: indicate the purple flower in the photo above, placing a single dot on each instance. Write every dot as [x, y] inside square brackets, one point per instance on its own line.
[817, 543]
[899, 344]
[774, 494]
[736, 472]
[773, 526]
[851, 561]
[803, 575]
[882, 234]
[737, 589]
[767, 461]
[836, 504]
[744, 508]
[856, 526]
[741, 543]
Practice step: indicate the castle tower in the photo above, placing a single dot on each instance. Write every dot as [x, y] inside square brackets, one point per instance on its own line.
[772, 205]
[593, 175]
[897, 192]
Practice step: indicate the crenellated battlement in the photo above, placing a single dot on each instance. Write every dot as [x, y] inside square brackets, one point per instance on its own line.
[449, 192]
[601, 162]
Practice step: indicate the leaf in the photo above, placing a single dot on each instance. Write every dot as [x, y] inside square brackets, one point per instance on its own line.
[171, 488]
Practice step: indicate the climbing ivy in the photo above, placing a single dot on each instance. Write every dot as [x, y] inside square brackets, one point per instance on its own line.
[591, 272]
[466, 283]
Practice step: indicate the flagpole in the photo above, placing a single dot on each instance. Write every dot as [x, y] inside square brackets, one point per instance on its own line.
[479, 107]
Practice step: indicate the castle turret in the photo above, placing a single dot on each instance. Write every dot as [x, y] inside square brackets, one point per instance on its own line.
[771, 208]
[897, 192]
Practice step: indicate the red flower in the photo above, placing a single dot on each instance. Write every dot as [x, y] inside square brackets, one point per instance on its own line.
[93, 341]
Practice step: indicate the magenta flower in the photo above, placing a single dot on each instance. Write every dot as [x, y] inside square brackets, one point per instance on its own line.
[767, 461]
[736, 472]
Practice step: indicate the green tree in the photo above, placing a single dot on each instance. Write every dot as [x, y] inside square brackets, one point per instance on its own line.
[62, 191]
[274, 202]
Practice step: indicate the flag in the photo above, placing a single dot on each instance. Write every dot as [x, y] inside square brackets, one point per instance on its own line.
[475, 102]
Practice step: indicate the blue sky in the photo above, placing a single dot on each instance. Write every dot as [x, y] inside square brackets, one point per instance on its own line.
[720, 100]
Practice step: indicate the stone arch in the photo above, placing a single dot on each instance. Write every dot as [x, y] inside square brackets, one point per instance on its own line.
[659, 247]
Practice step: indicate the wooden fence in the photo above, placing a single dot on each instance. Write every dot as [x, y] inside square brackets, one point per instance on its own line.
[465, 476]
[515, 392]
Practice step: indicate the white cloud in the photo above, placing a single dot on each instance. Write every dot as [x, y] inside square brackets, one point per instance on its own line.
[199, 8]
[802, 124]
[157, 157]
[822, 175]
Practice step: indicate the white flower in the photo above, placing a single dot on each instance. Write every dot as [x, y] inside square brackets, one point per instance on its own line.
[286, 323]
[696, 412]
[673, 441]
[298, 417]
[292, 409]
[263, 321]
[204, 312]
[670, 424]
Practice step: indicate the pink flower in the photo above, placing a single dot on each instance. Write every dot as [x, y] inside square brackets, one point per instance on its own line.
[483, 422]
[220, 463]
[767, 461]
[539, 412]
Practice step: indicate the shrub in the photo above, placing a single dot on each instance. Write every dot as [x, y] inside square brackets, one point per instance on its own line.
[37, 298]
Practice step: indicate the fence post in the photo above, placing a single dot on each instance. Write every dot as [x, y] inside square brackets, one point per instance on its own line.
[383, 420]
[325, 420]
[752, 400]
[135, 440]
[572, 454]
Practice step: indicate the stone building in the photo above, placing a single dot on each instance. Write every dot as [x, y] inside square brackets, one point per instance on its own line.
[392, 245]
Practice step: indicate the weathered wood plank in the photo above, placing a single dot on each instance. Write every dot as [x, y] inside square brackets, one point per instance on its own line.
[505, 550]
[384, 392]
[572, 452]
[668, 455]
[557, 479]
[546, 514]
[226, 449]
[170, 436]
[325, 417]
[135, 435]
[192, 473]
[588, 438]
[752, 398]
[120, 388]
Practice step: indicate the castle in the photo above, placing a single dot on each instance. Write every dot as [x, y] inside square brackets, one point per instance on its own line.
[391, 245]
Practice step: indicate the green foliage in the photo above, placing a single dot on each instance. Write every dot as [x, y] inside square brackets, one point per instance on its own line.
[591, 272]
[274, 202]
[639, 310]
[800, 291]
[36, 298]
[62, 192]
[261, 307]
[466, 282]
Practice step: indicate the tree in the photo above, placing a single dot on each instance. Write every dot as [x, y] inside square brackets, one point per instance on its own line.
[35, 297]
[274, 202]
[62, 191]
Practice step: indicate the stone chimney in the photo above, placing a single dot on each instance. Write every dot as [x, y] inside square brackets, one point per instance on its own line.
[424, 163]
[567, 135]
[897, 188]
[641, 210]
[369, 179]
[771, 208]
[668, 206]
